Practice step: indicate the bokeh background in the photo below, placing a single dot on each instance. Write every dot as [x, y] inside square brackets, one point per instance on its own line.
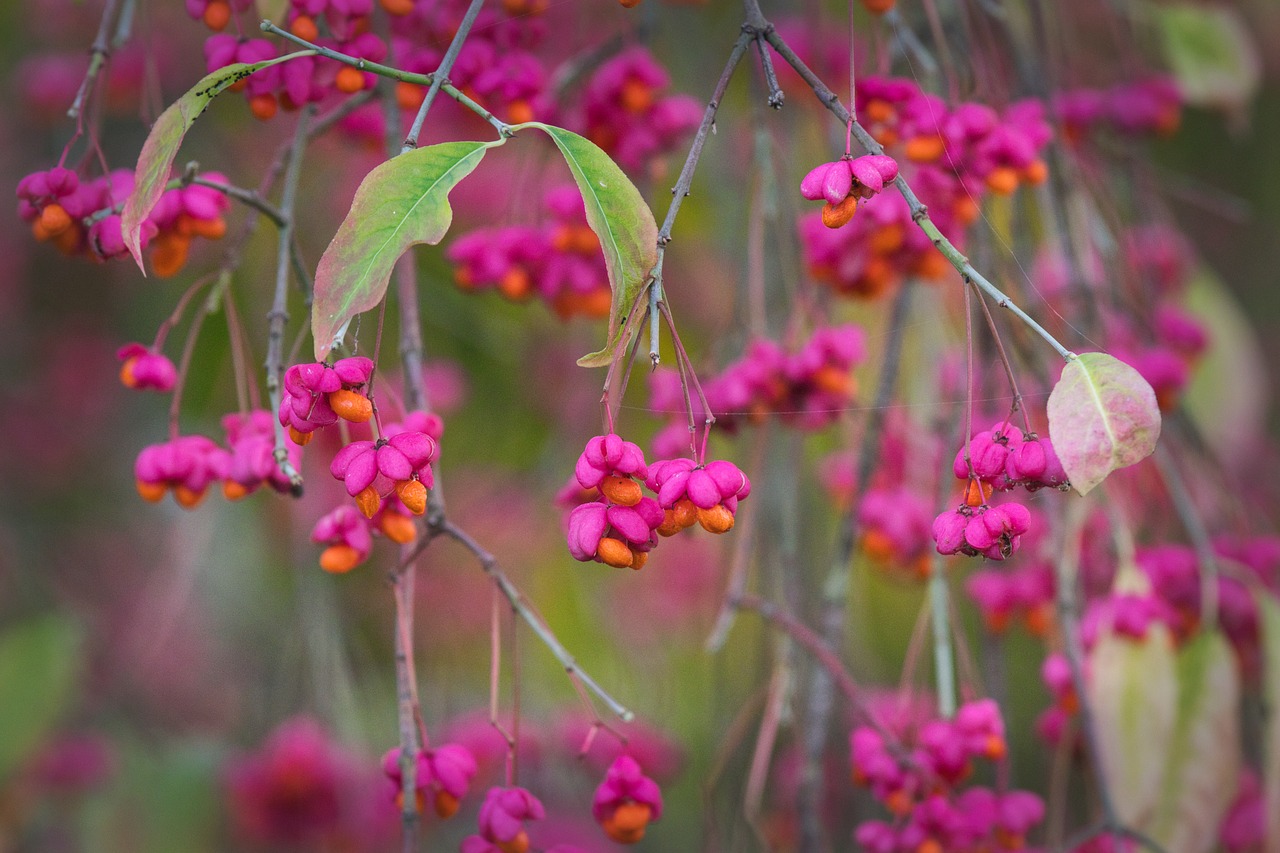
[149, 656]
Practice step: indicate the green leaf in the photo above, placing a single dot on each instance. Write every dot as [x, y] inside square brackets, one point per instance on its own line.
[1102, 416]
[1211, 53]
[1269, 612]
[1223, 395]
[401, 203]
[1132, 689]
[621, 220]
[38, 666]
[1204, 752]
[156, 159]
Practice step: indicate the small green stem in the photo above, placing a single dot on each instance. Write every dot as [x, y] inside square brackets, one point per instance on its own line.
[381, 70]
[943, 658]
[441, 75]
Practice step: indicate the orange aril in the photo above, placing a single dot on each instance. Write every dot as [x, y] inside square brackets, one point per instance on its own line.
[339, 559]
[924, 149]
[413, 494]
[233, 491]
[409, 95]
[1002, 180]
[519, 112]
[304, 27]
[351, 405]
[349, 80]
[717, 519]
[623, 491]
[397, 528]
[446, 805]
[836, 215]
[368, 501]
[628, 822]
[217, 15]
[614, 552]
[188, 498]
[151, 492]
[515, 283]
[54, 220]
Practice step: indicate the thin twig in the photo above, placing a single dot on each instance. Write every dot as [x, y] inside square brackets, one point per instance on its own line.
[441, 74]
[99, 53]
[525, 611]
[1196, 532]
[279, 316]
[809, 640]
[919, 213]
[391, 73]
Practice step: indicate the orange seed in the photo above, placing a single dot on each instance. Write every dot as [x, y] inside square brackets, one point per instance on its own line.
[151, 492]
[368, 502]
[623, 491]
[614, 552]
[188, 498]
[628, 822]
[339, 559]
[349, 79]
[836, 215]
[717, 519]
[1002, 180]
[304, 27]
[351, 405]
[54, 220]
[217, 15]
[397, 528]
[413, 495]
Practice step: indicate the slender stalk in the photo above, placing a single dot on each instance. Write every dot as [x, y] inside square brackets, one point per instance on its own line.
[807, 639]
[99, 53]
[776, 96]
[1004, 360]
[278, 318]
[406, 703]
[1196, 532]
[943, 659]
[442, 74]
[681, 190]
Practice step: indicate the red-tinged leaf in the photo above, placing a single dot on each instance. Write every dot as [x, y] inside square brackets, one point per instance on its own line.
[401, 203]
[621, 220]
[1133, 691]
[156, 159]
[1204, 752]
[1269, 621]
[1102, 416]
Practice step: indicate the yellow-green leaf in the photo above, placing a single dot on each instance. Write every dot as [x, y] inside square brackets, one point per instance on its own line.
[401, 203]
[1133, 691]
[156, 159]
[1204, 752]
[621, 220]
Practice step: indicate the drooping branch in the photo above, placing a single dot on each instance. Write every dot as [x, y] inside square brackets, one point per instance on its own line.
[392, 73]
[524, 609]
[919, 213]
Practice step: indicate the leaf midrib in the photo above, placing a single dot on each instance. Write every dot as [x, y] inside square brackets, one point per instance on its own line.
[377, 253]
